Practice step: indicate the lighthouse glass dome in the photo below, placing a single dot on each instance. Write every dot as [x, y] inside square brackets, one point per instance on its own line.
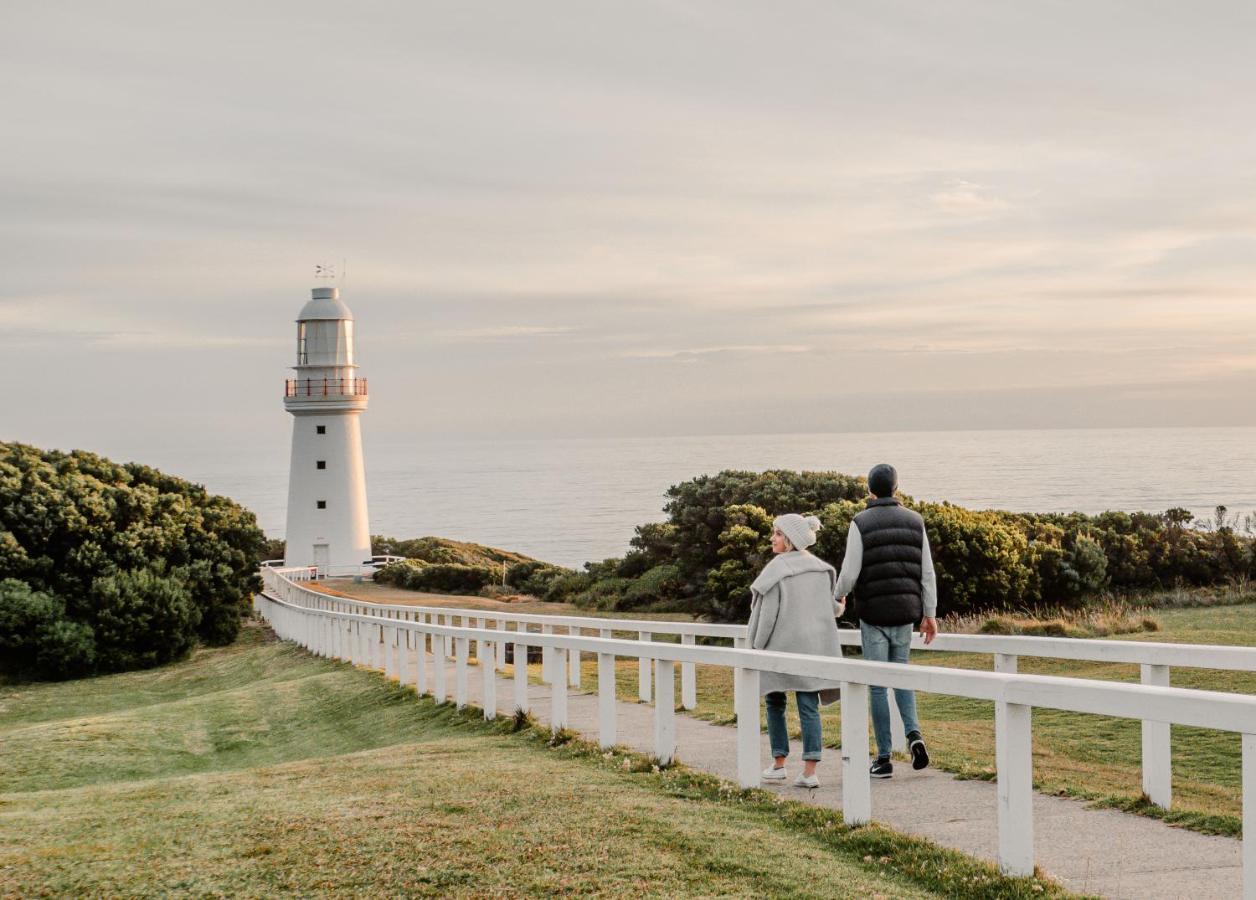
[325, 330]
[325, 342]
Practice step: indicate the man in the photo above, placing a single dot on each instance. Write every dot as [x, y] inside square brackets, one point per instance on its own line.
[888, 566]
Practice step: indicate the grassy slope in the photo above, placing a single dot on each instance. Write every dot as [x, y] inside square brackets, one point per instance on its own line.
[256, 769]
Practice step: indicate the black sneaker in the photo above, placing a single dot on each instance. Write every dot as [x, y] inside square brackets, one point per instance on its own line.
[882, 768]
[919, 755]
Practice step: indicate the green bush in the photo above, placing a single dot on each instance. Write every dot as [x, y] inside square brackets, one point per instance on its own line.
[142, 619]
[444, 578]
[605, 594]
[36, 639]
[659, 587]
[980, 559]
[563, 588]
[716, 540]
[85, 530]
[534, 577]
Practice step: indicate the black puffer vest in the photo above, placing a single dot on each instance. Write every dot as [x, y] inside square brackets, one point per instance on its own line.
[888, 591]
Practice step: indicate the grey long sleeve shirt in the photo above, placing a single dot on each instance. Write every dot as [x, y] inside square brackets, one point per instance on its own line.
[852, 564]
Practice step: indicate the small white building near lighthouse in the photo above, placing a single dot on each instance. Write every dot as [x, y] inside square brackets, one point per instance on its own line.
[327, 521]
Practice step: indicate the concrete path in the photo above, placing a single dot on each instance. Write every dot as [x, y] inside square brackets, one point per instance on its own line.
[1090, 851]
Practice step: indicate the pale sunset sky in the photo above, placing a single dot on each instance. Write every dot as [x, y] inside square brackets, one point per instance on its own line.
[647, 218]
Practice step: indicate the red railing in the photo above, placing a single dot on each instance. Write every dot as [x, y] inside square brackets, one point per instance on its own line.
[324, 387]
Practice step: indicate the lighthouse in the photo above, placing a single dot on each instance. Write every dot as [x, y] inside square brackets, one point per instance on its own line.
[327, 521]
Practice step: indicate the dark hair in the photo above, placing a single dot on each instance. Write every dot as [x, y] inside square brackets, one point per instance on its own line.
[883, 480]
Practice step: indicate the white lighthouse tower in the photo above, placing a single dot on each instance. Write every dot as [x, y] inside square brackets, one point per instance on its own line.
[327, 521]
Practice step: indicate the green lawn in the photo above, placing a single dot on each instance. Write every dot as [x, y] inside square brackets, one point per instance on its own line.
[258, 770]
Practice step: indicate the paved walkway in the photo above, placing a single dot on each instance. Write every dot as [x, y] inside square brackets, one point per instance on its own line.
[1091, 851]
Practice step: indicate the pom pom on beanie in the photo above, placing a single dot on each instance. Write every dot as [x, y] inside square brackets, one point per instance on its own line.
[800, 531]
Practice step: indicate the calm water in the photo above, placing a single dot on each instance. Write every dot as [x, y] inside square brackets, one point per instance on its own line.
[569, 501]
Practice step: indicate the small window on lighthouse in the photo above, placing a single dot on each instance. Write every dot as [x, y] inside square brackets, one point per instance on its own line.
[321, 464]
[320, 429]
[322, 504]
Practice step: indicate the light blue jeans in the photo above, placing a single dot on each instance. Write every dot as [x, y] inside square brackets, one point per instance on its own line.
[888, 643]
[808, 715]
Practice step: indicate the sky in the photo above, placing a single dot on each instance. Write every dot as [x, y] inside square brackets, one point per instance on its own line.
[649, 218]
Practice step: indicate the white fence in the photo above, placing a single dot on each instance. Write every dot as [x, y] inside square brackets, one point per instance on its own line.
[1153, 659]
[401, 648]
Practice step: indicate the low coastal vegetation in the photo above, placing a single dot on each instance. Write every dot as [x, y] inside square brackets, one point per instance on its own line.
[257, 769]
[106, 567]
[715, 539]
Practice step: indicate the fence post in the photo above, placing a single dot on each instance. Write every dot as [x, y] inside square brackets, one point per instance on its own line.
[573, 659]
[606, 697]
[856, 782]
[1157, 746]
[403, 656]
[440, 649]
[746, 682]
[1005, 663]
[1014, 762]
[665, 711]
[520, 652]
[501, 646]
[462, 647]
[558, 692]
[390, 652]
[547, 658]
[487, 670]
[688, 678]
[420, 662]
[1249, 817]
[644, 694]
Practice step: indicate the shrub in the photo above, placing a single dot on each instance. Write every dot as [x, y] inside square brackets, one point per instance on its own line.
[604, 594]
[564, 587]
[534, 577]
[85, 530]
[659, 586]
[141, 619]
[448, 578]
[980, 559]
[36, 639]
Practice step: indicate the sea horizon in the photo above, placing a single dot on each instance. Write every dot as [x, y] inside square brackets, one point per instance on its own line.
[572, 500]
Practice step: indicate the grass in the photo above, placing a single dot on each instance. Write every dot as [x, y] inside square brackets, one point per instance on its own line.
[257, 770]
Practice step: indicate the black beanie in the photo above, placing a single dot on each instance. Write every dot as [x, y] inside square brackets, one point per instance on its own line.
[883, 480]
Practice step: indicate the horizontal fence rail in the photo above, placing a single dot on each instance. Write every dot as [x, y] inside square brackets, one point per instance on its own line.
[401, 647]
[1154, 659]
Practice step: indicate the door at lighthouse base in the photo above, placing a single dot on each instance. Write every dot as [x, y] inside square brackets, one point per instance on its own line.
[322, 556]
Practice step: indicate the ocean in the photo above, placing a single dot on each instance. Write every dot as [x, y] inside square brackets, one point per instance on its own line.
[573, 500]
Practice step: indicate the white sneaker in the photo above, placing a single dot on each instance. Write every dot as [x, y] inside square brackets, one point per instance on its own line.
[771, 773]
[806, 781]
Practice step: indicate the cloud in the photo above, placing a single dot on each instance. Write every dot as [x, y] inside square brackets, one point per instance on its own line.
[965, 198]
[734, 349]
[502, 332]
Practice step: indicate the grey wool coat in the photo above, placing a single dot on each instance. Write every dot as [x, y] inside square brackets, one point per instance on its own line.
[793, 610]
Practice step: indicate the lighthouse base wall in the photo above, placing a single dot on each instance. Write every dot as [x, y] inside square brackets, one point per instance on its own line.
[328, 525]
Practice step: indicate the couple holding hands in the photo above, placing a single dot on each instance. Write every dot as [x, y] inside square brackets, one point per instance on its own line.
[795, 601]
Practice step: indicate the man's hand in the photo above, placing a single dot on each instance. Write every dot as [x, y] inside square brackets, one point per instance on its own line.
[929, 629]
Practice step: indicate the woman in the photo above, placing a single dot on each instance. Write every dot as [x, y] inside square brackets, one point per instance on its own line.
[793, 609]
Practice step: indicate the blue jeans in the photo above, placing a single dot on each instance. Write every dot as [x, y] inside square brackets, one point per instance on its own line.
[888, 643]
[808, 714]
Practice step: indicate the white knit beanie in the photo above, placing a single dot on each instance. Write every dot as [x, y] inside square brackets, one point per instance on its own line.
[801, 532]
